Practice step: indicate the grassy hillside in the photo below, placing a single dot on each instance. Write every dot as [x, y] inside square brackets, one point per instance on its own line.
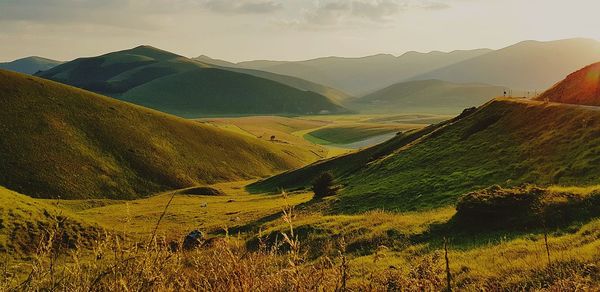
[281, 128]
[175, 84]
[211, 92]
[61, 141]
[360, 76]
[581, 87]
[506, 142]
[30, 65]
[427, 96]
[25, 223]
[526, 65]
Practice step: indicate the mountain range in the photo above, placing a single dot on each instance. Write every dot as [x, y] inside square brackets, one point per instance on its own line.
[432, 96]
[30, 65]
[171, 83]
[528, 65]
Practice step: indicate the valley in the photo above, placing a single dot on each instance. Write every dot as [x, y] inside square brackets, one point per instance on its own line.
[143, 169]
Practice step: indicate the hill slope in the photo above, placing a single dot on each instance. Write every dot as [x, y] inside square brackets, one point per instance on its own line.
[581, 87]
[526, 65]
[506, 141]
[30, 65]
[25, 222]
[427, 95]
[360, 76]
[332, 93]
[62, 141]
[175, 84]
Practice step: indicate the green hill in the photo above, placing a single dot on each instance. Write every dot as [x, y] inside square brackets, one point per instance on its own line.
[505, 142]
[581, 87]
[175, 84]
[295, 82]
[30, 65]
[62, 141]
[25, 222]
[429, 96]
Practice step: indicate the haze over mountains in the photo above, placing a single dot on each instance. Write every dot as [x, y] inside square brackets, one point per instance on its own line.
[171, 83]
[433, 96]
[528, 65]
[30, 65]
[359, 76]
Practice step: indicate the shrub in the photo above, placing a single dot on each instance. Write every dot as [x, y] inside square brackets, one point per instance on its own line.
[323, 186]
[526, 206]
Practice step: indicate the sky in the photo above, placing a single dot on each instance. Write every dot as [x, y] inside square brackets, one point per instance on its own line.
[238, 30]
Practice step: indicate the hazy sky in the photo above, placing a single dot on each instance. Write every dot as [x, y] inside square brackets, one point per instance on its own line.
[284, 29]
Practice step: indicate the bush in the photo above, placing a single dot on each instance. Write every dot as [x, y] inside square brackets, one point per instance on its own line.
[526, 206]
[323, 186]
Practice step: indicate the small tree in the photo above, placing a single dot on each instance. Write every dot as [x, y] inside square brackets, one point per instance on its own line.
[323, 186]
[273, 138]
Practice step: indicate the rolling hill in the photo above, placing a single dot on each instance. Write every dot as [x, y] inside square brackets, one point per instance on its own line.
[581, 87]
[331, 93]
[171, 83]
[360, 76]
[427, 95]
[506, 142]
[58, 140]
[526, 65]
[30, 65]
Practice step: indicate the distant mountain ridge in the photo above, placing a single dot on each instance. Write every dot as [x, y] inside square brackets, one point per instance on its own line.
[30, 65]
[581, 87]
[427, 95]
[172, 83]
[332, 93]
[531, 65]
[527, 65]
[360, 76]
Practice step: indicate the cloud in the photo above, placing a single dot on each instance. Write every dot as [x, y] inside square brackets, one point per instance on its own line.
[242, 6]
[340, 13]
[136, 14]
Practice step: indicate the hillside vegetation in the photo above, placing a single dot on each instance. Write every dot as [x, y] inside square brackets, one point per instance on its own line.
[62, 141]
[427, 96]
[171, 83]
[25, 223]
[581, 87]
[30, 65]
[506, 142]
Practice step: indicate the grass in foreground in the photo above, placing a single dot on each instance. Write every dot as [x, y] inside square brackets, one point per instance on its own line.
[396, 261]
